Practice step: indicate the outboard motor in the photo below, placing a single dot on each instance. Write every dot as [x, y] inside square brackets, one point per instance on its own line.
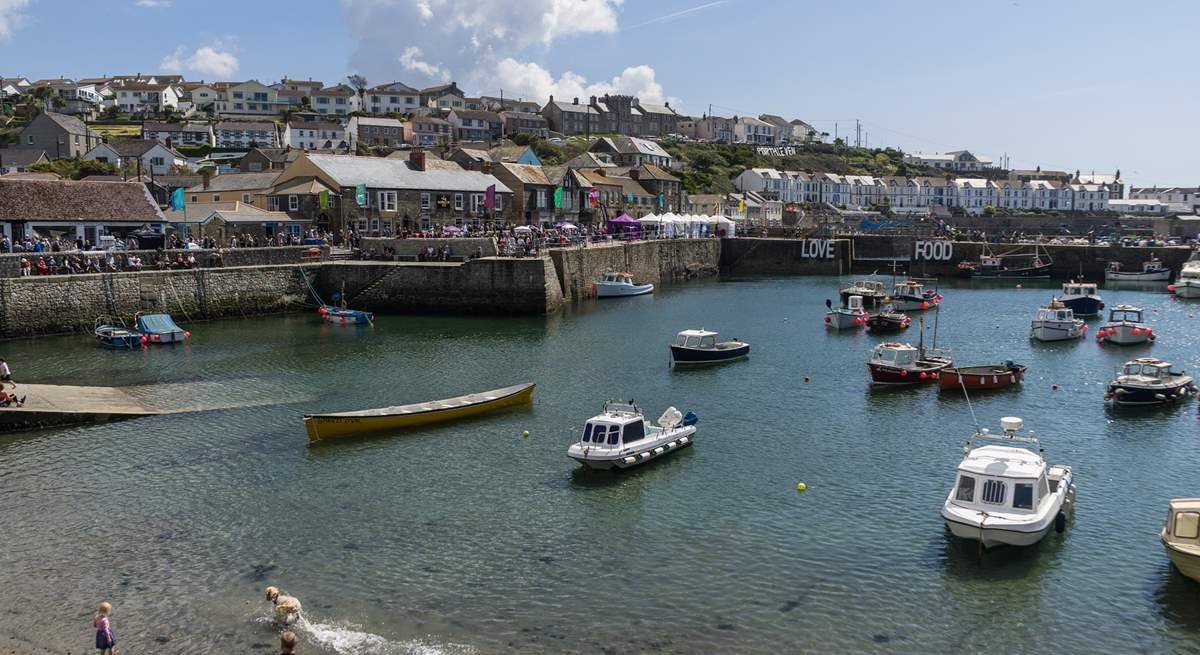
[690, 418]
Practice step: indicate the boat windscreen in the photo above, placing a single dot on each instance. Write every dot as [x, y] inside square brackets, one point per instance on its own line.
[635, 431]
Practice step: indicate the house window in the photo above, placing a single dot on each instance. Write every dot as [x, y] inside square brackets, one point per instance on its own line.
[499, 203]
[293, 203]
[993, 492]
[29, 140]
[458, 202]
[273, 203]
[476, 203]
[157, 161]
[193, 198]
[216, 197]
[541, 197]
[424, 201]
[387, 201]
[246, 198]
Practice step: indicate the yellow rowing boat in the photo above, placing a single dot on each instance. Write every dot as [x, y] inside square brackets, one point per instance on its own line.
[324, 426]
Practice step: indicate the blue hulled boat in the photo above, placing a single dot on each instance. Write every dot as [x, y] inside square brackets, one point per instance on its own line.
[341, 316]
[1082, 298]
[113, 333]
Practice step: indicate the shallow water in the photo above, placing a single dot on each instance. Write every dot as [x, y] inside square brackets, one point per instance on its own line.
[467, 538]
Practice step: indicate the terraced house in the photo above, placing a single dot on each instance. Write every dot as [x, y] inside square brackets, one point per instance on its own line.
[400, 193]
[339, 100]
[392, 98]
[241, 134]
[251, 98]
[476, 125]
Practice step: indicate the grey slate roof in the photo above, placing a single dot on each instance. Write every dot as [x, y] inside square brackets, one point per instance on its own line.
[384, 173]
[237, 182]
[67, 200]
[20, 157]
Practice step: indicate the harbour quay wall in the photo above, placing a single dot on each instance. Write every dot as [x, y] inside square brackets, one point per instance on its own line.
[657, 261]
[496, 286]
[459, 247]
[937, 257]
[31, 306]
[10, 263]
[764, 256]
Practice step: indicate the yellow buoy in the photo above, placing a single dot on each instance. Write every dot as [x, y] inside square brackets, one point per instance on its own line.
[801, 487]
[525, 434]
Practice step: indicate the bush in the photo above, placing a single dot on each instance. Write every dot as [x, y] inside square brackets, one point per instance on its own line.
[75, 168]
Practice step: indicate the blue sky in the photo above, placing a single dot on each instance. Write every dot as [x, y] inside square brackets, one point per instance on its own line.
[1069, 85]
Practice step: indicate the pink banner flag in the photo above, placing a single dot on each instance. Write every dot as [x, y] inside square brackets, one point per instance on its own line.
[489, 197]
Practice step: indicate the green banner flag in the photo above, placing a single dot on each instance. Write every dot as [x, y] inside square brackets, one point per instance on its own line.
[360, 195]
[323, 199]
[558, 198]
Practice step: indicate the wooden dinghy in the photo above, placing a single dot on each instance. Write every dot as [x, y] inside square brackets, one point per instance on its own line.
[341, 424]
[986, 376]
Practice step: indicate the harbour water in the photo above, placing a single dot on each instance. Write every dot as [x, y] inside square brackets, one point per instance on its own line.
[466, 538]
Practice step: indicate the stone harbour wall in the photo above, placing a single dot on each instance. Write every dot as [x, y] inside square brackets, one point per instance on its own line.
[753, 256]
[10, 263]
[657, 262]
[31, 306]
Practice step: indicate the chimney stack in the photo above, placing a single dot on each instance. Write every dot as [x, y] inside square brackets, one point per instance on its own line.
[417, 158]
[576, 101]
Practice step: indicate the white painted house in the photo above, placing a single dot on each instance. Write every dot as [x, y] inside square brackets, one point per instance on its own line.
[142, 97]
[955, 160]
[245, 134]
[392, 98]
[314, 135]
[156, 158]
[338, 100]
[178, 134]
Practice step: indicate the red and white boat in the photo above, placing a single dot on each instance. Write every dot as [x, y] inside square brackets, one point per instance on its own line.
[986, 376]
[911, 296]
[901, 363]
[850, 317]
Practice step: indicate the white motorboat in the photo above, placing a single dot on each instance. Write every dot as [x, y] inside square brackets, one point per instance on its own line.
[1149, 381]
[1188, 284]
[1007, 494]
[1056, 322]
[1152, 271]
[911, 296]
[1181, 536]
[1125, 327]
[1082, 297]
[618, 285]
[872, 292]
[843, 318]
[620, 437]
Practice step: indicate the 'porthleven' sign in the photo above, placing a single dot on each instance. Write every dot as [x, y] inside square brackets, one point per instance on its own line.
[776, 151]
[818, 248]
[933, 251]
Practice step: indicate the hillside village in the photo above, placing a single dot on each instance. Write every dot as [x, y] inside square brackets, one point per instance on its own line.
[380, 158]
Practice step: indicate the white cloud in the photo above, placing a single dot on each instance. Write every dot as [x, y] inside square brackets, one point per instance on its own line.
[11, 17]
[153, 4]
[409, 59]
[530, 80]
[463, 37]
[210, 61]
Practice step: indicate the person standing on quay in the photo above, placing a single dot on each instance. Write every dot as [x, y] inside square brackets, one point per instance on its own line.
[106, 641]
[6, 374]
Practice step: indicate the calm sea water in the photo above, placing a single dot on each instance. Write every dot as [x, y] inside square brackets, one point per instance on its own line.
[467, 538]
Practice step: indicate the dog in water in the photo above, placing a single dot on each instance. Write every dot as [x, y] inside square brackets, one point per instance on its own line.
[287, 608]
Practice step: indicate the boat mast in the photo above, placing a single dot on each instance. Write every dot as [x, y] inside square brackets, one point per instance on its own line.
[936, 316]
[921, 339]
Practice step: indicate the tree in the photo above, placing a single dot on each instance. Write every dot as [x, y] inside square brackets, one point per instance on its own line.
[75, 168]
[360, 84]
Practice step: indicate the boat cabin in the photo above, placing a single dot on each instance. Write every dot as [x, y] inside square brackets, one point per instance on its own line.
[908, 288]
[854, 303]
[1055, 311]
[1125, 314]
[618, 278]
[1079, 289]
[899, 355]
[695, 339]
[1002, 478]
[1183, 522]
[619, 426]
[1148, 367]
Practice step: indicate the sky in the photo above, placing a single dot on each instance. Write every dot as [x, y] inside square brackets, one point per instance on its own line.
[1092, 86]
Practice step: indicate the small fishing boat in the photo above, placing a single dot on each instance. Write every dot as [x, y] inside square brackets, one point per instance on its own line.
[849, 317]
[620, 437]
[1188, 284]
[1125, 327]
[1007, 494]
[112, 333]
[986, 376]
[1181, 536]
[618, 285]
[1013, 264]
[901, 364]
[160, 328]
[1152, 271]
[1149, 381]
[911, 296]
[1056, 322]
[1082, 298]
[341, 424]
[342, 316]
[872, 292]
[887, 321]
[700, 347]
